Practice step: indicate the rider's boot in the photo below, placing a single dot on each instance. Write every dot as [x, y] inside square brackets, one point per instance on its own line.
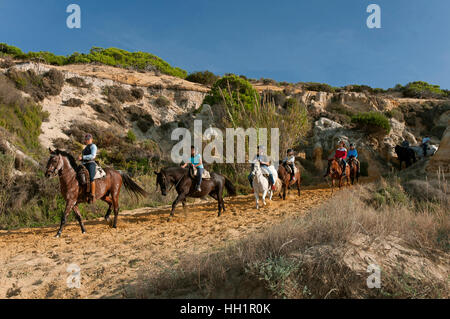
[91, 199]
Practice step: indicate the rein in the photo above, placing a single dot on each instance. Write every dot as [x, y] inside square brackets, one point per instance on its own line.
[176, 185]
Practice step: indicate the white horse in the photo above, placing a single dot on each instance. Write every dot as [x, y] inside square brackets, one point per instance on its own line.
[261, 183]
[431, 150]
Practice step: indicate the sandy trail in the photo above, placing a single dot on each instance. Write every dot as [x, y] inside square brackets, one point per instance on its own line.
[34, 263]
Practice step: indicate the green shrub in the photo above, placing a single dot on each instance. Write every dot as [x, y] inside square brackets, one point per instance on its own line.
[36, 85]
[206, 78]
[373, 121]
[131, 137]
[396, 114]
[162, 101]
[319, 87]
[234, 90]
[420, 89]
[21, 117]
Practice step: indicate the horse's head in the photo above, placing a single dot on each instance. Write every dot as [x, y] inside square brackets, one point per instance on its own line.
[334, 166]
[162, 182]
[55, 164]
[256, 169]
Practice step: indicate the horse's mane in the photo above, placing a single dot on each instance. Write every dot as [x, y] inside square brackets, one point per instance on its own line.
[69, 156]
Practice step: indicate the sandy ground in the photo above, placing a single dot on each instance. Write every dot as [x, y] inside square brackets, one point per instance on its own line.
[34, 264]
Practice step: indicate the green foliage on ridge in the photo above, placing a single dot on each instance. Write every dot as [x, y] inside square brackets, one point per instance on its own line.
[110, 56]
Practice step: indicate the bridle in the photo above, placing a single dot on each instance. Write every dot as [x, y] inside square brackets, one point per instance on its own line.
[56, 170]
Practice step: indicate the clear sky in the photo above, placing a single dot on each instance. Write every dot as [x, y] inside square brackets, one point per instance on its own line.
[286, 40]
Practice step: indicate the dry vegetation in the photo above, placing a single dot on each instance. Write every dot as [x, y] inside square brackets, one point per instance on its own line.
[325, 254]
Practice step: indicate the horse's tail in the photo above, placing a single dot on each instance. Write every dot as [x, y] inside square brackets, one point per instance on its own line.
[230, 187]
[131, 186]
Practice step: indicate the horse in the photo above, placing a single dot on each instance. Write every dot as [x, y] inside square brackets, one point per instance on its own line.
[108, 188]
[405, 154]
[285, 178]
[431, 150]
[260, 184]
[354, 170]
[335, 172]
[184, 182]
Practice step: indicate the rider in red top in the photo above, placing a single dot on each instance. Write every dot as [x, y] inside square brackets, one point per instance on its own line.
[341, 155]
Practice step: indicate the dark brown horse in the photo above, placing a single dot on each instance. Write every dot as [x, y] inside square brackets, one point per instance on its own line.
[354, 170]
[184, 183]
[335, 172]
[285, 178]
[108, 188]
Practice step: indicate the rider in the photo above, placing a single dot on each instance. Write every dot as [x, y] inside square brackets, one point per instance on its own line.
[290, 160]
[425, 142]
[265, 163]
[353, 155]
[341, 155]
[87, 158]
[197, 162]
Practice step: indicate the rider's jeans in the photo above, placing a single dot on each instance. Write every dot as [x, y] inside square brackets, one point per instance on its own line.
[199, 176]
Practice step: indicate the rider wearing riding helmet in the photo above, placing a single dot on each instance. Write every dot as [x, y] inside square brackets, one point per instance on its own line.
[197, 162]
[290, 160]
[341, 155]
[425, 142]
[265, 163]
[87, 158]
[353, 155]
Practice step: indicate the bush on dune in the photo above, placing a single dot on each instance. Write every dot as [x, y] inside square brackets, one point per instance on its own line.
[206, 78]
[372, 121]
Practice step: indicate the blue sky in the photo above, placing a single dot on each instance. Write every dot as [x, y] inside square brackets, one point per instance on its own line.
[287, 40]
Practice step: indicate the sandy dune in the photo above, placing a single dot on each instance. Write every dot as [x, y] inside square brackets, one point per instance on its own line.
[34, 263]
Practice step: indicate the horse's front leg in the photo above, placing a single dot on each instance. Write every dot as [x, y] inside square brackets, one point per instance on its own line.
[79, 218]
[181, 197]
[264, 197]
[69, 206]
[257, 198]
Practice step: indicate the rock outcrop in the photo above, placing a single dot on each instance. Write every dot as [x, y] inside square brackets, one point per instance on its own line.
[440, 162]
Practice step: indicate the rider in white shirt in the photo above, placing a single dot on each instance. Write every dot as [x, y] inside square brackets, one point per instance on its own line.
[265, 163]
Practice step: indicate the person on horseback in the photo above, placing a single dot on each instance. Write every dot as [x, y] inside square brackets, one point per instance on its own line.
[340, 155]
[352, 156]
[425, 142]
[405, 144]
[197, 162]
[290, 160]
[265, 163]
[87, 158]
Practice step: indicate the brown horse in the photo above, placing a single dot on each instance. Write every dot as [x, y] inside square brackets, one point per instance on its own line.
[354, 170]
[285, 178]
[335, 172]
[184, 182]
[108, 188]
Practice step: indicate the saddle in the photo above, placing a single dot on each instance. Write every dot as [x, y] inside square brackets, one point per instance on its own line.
[83, 176]
[193, 173]
[289, 169]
